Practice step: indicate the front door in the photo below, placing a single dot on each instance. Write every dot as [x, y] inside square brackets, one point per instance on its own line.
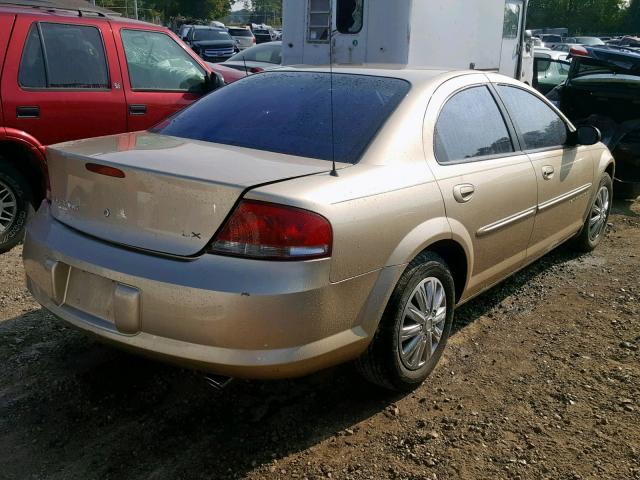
[62, 80]
[489, 187]
[565, 174]
[160, 76]
[512, 38]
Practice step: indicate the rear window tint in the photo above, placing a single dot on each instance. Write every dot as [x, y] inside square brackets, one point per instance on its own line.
[290, 113]
[240, 32]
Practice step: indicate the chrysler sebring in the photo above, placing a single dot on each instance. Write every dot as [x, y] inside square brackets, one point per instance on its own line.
[341, 216]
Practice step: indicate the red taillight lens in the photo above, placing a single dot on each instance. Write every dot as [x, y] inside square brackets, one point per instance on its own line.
[273, 232]
[578, 52]
[256, 70]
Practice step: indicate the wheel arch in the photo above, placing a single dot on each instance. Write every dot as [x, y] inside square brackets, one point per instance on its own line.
[26, 155]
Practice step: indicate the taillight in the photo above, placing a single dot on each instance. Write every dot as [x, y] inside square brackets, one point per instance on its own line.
[578, 51]
[104, 170]
[256, 70]
[253, 40]
[269, 231]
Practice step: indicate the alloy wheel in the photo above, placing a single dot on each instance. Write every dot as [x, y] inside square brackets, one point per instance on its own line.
[8, 207]
[423, 322]
[599, 213]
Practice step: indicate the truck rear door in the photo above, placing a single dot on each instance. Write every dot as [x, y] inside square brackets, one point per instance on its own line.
[61, 79]
[160, 75]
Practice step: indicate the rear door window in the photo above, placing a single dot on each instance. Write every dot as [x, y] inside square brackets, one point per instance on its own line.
[540, 126]
[64, 56]
[291, 113]
[157, 63]
[469, 127]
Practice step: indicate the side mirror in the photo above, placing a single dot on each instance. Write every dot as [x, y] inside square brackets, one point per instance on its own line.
[586, 135]
[213, 82]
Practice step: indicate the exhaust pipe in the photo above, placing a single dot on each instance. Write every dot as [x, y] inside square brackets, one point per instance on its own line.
[217, 382]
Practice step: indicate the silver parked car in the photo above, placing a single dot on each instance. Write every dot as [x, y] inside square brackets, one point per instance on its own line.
[234, 244]
[265, 56]
[243, 36]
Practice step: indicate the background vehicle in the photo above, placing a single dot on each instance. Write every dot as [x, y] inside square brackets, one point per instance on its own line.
[66, 75]
[550, 41]
[292, 252]
[243, 36]
[264, 34]
[565, 47]
[213, 44]
[183, 31]
[489, 35]
[590, 41]
[602, 85]
[257, 59]
[550, 74]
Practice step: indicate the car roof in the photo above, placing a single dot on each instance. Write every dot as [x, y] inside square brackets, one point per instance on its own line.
[57, 12]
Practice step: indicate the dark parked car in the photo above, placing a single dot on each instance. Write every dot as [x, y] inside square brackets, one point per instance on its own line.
[603, 90]
[264, 35]
[213, 44]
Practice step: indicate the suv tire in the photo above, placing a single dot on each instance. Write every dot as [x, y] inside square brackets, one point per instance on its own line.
[15, 206]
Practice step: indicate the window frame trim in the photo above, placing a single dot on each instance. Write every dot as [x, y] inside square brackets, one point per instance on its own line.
[45, 60]
[569, 126]
[507, 123]
[205, 72]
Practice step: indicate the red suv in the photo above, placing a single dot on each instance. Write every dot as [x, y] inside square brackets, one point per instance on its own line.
[67, 74]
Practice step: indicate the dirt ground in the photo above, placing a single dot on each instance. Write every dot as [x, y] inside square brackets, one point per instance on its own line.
[540, 380]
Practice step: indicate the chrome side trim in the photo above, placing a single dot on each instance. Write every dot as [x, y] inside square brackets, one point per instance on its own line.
[564, 197]
[505, 222]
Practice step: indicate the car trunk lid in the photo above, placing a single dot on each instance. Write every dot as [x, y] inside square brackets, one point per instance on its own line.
[174, 194]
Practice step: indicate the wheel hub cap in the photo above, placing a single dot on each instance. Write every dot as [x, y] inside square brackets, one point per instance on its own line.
[8, 207]
[423, 321]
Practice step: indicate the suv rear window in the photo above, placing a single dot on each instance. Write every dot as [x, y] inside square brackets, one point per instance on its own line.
[74, 55]
[290, 113]
[239, 32]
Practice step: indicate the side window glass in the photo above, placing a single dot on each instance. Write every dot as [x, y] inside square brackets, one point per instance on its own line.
[511, 20]
[75, 58]
[157, 62]
[32, 73]
[474, 112]
[539, 125]
[349, 16]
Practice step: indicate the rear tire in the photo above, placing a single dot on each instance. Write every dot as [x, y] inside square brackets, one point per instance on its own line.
[390, 361]
[595, 225]
[15, 206]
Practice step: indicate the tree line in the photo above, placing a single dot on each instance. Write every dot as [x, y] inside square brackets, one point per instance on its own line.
[586, 16]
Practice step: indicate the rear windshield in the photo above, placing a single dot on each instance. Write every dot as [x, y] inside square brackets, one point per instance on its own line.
[290, 113]
[240, 32]
[261, 32]
[552, 38]
[202, 34]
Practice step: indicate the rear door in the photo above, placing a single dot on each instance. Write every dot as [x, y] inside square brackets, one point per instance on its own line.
[160, 75]
[565, 174]
[62, 81]
[488, 184]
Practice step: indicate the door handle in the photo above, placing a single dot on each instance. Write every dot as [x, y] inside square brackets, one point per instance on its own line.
[137, 109]
[28, 112]
[463, 193]
[548, 172]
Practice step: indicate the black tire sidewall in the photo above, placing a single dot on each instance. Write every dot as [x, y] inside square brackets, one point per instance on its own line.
[402, 377]
[15, 233]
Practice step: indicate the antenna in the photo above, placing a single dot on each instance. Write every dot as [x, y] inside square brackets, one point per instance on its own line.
[334, 171]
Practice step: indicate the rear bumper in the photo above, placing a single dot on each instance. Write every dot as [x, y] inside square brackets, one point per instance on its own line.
[230, 316]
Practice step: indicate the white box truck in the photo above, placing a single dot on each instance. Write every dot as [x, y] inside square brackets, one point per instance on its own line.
[484, 35]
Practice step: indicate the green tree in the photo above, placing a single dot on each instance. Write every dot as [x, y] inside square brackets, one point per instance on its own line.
[633, 17]
[579, 16]
[265, 11]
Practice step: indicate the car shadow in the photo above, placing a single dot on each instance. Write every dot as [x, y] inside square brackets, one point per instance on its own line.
[73, 408]
[623, 207]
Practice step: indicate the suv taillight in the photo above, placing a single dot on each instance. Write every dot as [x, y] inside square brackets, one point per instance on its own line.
[269, 231]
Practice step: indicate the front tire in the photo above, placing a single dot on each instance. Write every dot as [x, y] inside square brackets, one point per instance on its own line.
[15, 206]
[595, 225]
[414, 328]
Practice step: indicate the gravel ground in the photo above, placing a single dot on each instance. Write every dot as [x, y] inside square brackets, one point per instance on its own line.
[541, 379]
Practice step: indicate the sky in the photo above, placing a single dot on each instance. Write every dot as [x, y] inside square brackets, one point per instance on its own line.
[238, 5]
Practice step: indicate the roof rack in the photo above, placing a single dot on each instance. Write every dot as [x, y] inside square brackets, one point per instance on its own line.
[45, 6]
